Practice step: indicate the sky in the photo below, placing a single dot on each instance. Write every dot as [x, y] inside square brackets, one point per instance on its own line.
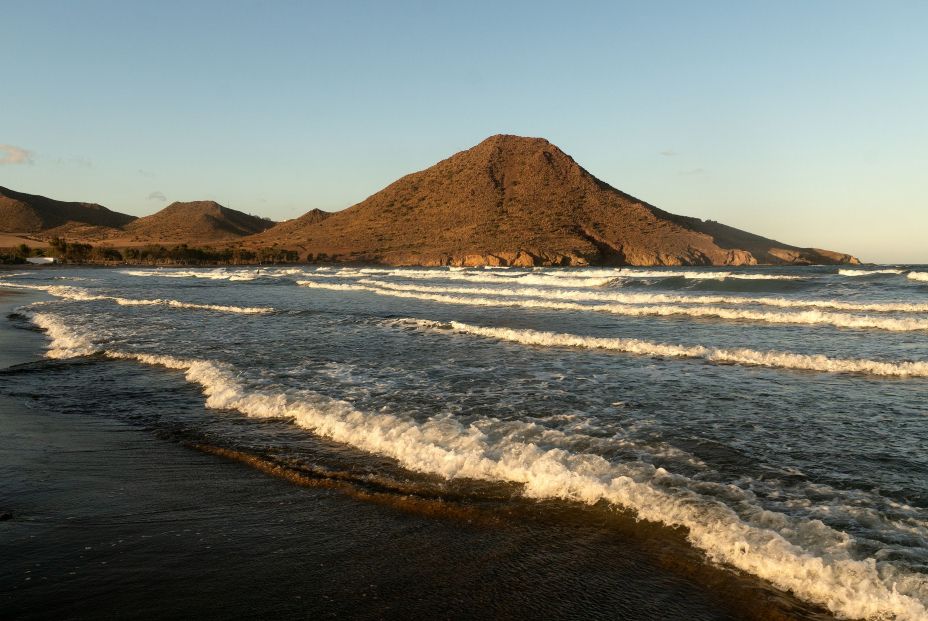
[804, 121]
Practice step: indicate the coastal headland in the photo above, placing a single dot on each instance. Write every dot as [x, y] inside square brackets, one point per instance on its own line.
[508, 201]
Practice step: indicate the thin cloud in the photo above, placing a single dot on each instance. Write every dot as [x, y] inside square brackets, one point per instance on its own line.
[157, 196]
[10, 154]
[668, 153]
[692, 171]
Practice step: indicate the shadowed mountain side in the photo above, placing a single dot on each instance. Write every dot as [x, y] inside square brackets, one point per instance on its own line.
[30, 213]
[522, 201]
[197, 221]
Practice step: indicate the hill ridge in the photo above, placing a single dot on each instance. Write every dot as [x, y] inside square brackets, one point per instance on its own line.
[513, 200]
[21, 212]
[197, 221]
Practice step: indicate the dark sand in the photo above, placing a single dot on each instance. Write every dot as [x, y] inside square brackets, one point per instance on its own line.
[109, 520]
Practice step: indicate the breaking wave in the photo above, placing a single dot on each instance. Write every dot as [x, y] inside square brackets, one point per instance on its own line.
[549, 280]
[565, 278]
[82, 295]
[661, 298]
[806, 557]
[65, 343]
[810, 317]
[843, 272]
[919, 276]
[220, 274]
[482, 276]
[631, 273]
[748, 357]
[212, 274]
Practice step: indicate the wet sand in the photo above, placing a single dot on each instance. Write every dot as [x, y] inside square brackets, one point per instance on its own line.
[109, 520]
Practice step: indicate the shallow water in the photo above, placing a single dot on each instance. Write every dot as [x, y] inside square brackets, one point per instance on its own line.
[778, 415]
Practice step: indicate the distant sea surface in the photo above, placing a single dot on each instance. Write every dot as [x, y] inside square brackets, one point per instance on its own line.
[767, 424]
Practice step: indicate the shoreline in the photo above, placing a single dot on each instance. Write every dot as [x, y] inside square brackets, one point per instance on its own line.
[14, 267]
[108, 519]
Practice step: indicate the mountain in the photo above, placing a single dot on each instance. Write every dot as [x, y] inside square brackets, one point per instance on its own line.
[313, 216]
[293, 227]
[512, 200]
[30, 213]
[196, 222]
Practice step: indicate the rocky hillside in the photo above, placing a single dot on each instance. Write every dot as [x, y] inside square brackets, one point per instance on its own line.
[522, 201]
[33, 214]
[196, 222]
[293, 227]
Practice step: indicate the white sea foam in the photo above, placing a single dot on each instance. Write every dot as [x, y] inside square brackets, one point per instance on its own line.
[633, 273]
[810, 317]
[221, 274]
[561, 278]
[346, 274]
[919, 276]
[750, 357]
[546, 280]
[234, 275]
[858, 272]
[552, 279]
[65, 342]
[657, 298]
[609, 272]
[823, 569]
[587, 274]
[83, 295]
[221, 308]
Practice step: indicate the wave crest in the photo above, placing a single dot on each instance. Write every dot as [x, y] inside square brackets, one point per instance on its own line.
[844, 272]
[811, 317]
[743, 356]
[821, 570]
[65, 342]
[658, 298]
[82, 295]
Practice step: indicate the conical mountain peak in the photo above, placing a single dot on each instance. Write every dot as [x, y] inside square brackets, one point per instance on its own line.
[514, 200]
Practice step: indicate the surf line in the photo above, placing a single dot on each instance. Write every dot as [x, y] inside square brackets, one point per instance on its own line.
[740, 356]
[655, 298]
[827, 575]
[82, 295]
[811, 317]
[593, 277]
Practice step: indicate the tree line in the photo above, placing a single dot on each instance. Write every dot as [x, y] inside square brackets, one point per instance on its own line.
[153, 254]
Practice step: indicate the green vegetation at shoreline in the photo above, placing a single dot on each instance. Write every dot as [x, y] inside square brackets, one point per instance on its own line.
[77, 253]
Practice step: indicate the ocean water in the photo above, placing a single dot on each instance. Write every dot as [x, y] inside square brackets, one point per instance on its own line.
[776, 417]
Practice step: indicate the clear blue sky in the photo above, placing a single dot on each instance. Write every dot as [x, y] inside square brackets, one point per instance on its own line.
[806, 121]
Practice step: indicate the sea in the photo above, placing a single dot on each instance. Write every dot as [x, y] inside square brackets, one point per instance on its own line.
[767, 423]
